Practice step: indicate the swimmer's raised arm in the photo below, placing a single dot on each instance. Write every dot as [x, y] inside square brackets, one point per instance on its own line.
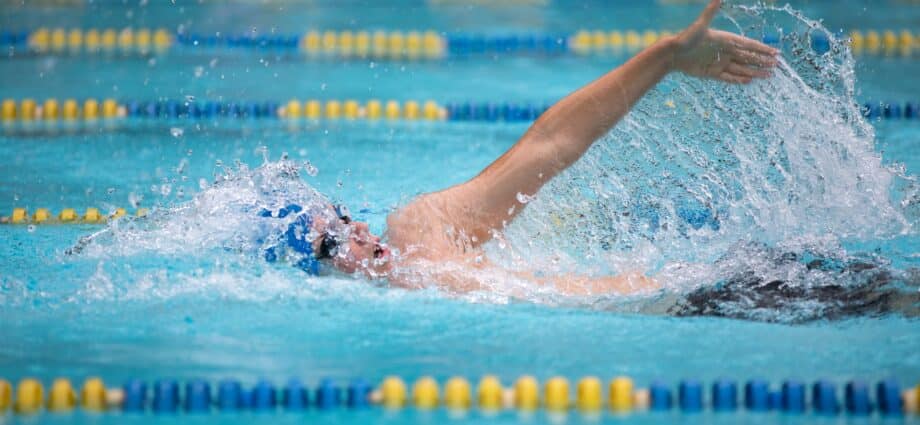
[566, 130]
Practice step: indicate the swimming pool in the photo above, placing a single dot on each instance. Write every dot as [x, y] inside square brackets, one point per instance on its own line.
[172, 305]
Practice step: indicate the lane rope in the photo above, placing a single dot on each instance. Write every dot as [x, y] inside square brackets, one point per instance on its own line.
[67, 216]
[28, 110]
[791, 397]
[411, 44]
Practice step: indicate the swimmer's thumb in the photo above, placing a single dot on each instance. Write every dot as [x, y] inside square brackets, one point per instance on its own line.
[709, 13]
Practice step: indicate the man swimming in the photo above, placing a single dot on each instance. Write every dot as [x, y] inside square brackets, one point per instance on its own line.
[438, 234]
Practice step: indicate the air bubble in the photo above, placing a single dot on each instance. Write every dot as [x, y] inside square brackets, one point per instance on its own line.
[176, 132]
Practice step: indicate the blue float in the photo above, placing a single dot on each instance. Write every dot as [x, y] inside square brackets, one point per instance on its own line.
[528, 42]
[295, 396]
[269, 109]
[150, 109]
[892, 110]
[357, 393]
[888, 397]
[775, 400]
[465, 111]
[132, 108]
[909, 110]
[165, 396]
[724, 395]
[660, 396]
[528, 112]
[135, 396]
[856, 396]
[824, 398]
[477, 44]
[690, 395]
[250, 110]
[172, 109]
[210, 109]
[197, 396]
[229, 395]
[757, 395]
[328, 395]
[793, 398]
[263, 396]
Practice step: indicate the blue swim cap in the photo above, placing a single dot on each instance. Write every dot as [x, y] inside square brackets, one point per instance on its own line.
[296, 237]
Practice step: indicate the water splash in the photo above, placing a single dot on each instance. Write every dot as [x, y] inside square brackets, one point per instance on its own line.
[700, 169]
[224, 217]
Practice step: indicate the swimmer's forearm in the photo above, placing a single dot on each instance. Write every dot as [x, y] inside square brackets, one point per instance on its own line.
[556, 140]
[566, 130]
[578, 285]
[573, 124]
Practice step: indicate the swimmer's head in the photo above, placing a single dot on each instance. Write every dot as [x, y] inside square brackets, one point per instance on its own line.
[328, 237]
[348, 245]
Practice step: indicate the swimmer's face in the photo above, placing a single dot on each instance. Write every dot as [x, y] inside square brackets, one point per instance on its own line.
[351, 247]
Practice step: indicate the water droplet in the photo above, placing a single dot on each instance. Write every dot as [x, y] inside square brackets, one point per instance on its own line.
[110, 190]
[176, 132]
[134, 199]
[189, 98]
[31, 228]
[310, 169]
[202, 184]
[523, 198]
[165, 189]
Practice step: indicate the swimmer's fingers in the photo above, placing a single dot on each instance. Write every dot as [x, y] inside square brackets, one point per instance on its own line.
[741, 42]
[746, 71]
[747, 57]
[728, 77]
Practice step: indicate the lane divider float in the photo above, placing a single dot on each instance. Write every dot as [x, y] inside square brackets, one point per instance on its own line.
[51, 110]
[167, 396]
[67, 216]
[410, 44]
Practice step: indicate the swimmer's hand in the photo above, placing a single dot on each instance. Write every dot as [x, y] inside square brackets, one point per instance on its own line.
[719, 55]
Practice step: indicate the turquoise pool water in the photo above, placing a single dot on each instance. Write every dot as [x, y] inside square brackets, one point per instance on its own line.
[147, 307]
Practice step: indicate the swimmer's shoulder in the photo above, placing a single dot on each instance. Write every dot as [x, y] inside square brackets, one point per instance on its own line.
[415, 223]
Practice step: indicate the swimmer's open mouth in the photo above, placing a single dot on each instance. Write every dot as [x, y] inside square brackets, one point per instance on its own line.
[379, 250]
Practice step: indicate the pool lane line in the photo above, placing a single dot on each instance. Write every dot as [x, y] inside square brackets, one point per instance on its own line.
[44, 216]
[410, 44]
[165, 396]
[52, 110]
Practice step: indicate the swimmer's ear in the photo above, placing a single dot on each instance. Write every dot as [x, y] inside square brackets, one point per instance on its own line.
[710, 12]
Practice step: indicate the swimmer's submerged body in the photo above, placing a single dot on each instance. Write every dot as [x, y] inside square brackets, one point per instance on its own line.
[449, 227]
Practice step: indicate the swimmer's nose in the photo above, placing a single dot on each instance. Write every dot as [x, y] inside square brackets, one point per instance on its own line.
[363, 233]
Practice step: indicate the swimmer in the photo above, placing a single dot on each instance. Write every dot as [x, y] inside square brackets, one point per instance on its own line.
[434, 237]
